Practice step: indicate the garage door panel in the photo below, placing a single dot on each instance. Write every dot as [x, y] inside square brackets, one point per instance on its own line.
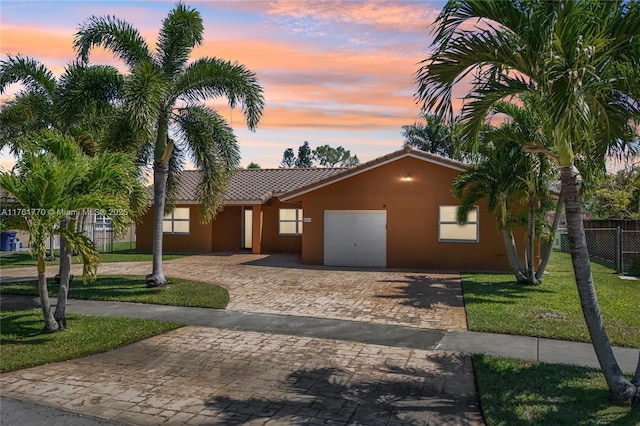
[355, 238]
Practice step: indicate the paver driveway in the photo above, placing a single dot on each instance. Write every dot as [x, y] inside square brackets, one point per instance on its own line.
[198, 375]
[280, 284]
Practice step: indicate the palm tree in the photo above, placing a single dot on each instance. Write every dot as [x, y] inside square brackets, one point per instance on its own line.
[494, 178]
[529, 124]
[81, 103]
[164, 90]
[55, 181]
[434, 136]
[582, 58]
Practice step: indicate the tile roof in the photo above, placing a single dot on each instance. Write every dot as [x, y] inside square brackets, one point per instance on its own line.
[255, 186]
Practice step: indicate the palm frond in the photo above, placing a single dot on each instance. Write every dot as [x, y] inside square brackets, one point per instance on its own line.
[209, 78]
[28, 71]
[113, 34]
[214, 150]
[181, 31]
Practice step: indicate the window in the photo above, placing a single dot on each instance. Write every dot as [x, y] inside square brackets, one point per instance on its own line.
[450, 230]
[176, 222]
[102, 222]
[290, 222]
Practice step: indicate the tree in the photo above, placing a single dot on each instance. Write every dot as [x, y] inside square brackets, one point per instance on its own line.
[434, 136]
[616, 196]
[325, 155]
[81, 103]
[528, 123]
[162, 89]
[288, 158]
[304, 158]
[253, 165]
[54, 182]
[494, 178]
[582, 59]
[328, 156]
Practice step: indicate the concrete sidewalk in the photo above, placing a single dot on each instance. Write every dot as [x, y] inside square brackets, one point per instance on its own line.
[464, 342]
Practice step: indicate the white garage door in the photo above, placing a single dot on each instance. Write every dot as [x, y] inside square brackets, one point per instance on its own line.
[355, 238]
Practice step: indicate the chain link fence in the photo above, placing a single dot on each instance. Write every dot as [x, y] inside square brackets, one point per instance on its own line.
[615, 248]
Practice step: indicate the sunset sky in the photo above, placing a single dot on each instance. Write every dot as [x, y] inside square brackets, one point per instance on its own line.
[333, 72]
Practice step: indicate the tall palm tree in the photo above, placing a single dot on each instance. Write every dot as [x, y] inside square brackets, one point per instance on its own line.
[55, 181]
[582, 58]
[164, 90]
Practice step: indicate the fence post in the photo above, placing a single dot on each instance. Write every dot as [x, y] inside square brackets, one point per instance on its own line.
[619, 261]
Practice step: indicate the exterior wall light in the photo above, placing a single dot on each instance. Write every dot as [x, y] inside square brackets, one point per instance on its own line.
[406, 178]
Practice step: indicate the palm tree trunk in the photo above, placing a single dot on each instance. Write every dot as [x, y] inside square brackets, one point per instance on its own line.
[620, 389]
[531, 240]
[636, 381]
[50, 323]
[512, 254]
[66, 252]
[160, 171]
[546, 255]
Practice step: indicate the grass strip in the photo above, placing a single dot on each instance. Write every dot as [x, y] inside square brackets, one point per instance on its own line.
[23, 259]
[24, 344]
[125, 288]
[496, 303]
[514, 393]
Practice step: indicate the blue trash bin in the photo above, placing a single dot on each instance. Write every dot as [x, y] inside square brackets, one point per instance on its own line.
[7, 241]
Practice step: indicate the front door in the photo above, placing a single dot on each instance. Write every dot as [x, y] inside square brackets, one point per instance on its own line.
[247, 228]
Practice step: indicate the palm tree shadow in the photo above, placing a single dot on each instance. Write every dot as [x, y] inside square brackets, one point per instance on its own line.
[342, 396]
[427, 292]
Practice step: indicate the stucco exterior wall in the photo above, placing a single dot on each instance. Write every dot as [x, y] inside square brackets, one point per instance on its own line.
[226, 230]
[412, 217]
[272, 241]
[197, 241]
[224, 233]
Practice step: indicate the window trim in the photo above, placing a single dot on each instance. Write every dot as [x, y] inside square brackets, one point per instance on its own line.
[170, 217]
[455, 240]
[298, 221]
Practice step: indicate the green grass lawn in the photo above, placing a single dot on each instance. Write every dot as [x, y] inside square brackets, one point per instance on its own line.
[514, 393]
[23, 258]
[495, 303]
[24, 344]
[179, 292]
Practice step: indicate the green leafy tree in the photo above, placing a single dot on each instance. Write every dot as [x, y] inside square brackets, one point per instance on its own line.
[253, 165]
[163, 89]
[52, 183]
[616, 196]
[583, 59]
[328, 156]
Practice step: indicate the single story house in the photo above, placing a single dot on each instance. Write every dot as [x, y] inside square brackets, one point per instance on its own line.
[396, 211]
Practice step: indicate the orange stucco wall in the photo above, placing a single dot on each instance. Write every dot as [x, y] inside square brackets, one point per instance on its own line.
[272, 241]
[197, 241]
[224, 233]
[412, 217]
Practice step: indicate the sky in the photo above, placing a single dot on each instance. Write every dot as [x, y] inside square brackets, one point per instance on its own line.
[334, 72]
